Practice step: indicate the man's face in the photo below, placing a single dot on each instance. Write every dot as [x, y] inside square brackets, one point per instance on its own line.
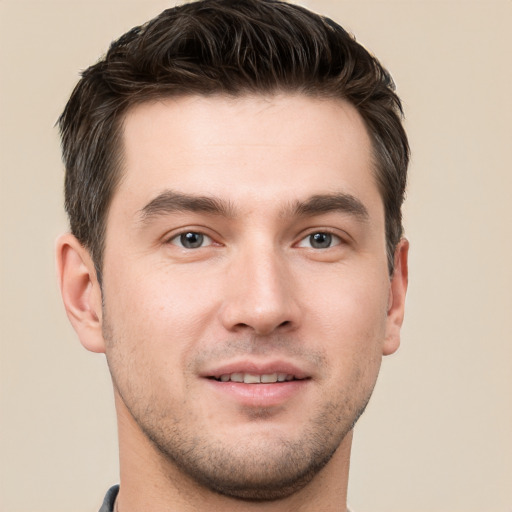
[246, 242]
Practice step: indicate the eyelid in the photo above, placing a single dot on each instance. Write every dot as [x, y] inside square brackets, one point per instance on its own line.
[175, 234]
[341, 238]
[175, 240]
[336, 240]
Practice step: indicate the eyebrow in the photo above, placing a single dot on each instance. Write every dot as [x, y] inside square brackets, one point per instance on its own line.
[169, 202]
[174, 202]
[325, 203]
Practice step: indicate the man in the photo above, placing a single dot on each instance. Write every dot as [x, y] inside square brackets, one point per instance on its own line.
[234, 178]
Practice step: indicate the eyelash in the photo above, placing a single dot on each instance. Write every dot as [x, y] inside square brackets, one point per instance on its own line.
[179, 240]
[333, 239]
[180, 237]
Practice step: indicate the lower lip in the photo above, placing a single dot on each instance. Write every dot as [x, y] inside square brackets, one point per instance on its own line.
[259, 395]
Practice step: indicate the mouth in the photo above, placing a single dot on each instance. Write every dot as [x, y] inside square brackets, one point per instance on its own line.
[258, 384]
[257, 372]
[258, 388]
[255, 378]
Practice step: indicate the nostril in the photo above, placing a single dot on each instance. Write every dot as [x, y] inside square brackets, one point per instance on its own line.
[262, 329]
[242, 326]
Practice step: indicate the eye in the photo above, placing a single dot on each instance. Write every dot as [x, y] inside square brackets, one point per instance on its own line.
[191, 240]
[320, 240]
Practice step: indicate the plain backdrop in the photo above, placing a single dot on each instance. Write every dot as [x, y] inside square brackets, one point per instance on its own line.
[437, 436]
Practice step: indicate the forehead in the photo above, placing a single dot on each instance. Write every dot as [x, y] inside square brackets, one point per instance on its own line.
[245, 148]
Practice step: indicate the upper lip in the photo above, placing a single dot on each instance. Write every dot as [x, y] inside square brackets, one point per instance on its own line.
[256, 368]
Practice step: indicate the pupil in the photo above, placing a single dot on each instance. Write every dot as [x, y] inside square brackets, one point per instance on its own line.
[320, 240]
[191, 240]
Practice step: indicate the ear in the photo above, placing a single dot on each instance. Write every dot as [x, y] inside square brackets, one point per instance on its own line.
[396, 303]
[81, 292]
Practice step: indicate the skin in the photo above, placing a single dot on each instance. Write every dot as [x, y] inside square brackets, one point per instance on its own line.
[258, 294]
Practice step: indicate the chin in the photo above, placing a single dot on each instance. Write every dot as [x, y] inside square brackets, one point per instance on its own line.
[270, 472]
[265, 465]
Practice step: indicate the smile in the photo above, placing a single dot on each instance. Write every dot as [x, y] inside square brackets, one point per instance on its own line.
[251, 378]
[257, 384]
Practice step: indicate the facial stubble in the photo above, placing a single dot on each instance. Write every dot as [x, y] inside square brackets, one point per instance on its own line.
[266, 467]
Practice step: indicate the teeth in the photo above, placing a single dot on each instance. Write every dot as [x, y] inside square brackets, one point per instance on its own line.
[249, 378]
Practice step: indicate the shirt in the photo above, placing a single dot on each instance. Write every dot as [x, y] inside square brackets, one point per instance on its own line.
[110, 499]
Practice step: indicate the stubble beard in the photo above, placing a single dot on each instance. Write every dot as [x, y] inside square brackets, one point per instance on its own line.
[259, 470]
[267, 467]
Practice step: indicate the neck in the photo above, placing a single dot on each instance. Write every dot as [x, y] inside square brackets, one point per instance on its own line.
[149, 481]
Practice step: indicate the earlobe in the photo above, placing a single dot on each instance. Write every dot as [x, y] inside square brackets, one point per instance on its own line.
[396, 304]
[80, 291]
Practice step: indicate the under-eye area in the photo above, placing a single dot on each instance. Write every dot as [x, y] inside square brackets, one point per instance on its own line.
[250, 378]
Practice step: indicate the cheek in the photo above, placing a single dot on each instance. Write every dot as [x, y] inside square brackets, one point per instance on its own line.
[348, 322]
[144, 349]
[352, 309]
[159, 298]
[155, 319]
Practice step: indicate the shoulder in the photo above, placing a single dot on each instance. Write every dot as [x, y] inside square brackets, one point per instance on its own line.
[110, 498]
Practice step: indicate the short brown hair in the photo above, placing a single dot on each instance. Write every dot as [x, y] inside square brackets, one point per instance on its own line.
[230, 47]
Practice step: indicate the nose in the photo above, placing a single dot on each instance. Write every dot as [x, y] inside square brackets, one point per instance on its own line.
[260, 294]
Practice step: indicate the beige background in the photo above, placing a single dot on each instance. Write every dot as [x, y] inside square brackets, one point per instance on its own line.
[437, 436]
